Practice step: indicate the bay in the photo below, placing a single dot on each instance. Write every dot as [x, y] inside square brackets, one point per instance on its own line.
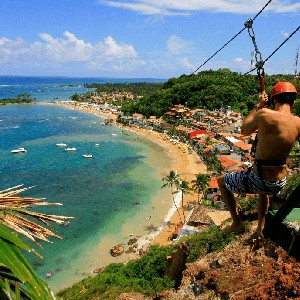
[111, 195]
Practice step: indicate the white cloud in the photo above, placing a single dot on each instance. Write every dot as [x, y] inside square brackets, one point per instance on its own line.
[285, 34]
[9, 48]
[187, 65]
[58, 52]
[177, 45]
[179, 7]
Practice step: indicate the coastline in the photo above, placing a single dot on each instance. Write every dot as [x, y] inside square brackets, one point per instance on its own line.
[187, 166]
[154, 224]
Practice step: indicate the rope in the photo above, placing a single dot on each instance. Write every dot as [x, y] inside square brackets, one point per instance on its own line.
[276, 49]
[233, 37]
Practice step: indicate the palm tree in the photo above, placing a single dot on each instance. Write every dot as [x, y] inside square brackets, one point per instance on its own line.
[17, 277]
[183, 186]
[200, 184]
[172, 180]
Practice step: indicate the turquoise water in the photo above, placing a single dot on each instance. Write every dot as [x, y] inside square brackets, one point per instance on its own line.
[110, 195]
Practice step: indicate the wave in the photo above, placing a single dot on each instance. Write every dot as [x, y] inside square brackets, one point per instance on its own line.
[146, 240]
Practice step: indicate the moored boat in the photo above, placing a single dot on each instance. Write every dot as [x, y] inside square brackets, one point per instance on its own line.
[19, 150]
[71, 149]
[88, 155]
[61, 145]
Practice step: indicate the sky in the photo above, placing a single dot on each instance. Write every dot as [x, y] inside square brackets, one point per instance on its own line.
[145, 38]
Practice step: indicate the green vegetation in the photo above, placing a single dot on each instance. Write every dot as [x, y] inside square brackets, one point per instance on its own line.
[292, 182]
[22, 98]
[247, 203]
[147, 274]
[200, 184]
[212, 240]
[18, 280]
[140, 88]
[208, 89]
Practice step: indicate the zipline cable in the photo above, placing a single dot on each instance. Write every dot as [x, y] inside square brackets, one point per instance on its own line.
[220, 49]
[276, 49]
[233, 37]
[262, 9]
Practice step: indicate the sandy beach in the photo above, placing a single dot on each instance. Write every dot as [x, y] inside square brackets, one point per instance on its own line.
[187, 166]
[152, 224]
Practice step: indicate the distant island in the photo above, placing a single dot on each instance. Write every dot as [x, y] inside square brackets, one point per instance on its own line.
[22, 98]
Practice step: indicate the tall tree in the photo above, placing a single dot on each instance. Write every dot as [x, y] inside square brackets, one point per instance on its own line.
[200, 184]
[183, 186]
[172, 180]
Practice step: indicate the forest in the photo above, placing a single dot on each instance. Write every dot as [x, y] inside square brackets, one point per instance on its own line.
[209, 90]
[137, 88]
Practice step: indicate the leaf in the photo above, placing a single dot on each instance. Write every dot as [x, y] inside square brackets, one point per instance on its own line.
[12, 258]
[6, 234]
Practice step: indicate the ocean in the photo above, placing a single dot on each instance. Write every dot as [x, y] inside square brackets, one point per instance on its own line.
[113, 196]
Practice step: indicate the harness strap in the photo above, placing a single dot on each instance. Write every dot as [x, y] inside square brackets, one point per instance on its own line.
[269, 162]
[260, 163]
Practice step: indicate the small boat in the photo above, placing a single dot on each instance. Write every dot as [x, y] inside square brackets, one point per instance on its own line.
[88, 155]
[19, 150]
[114, 134]
[97, 145]
[71, 149]
[49, 274]
[61, 145]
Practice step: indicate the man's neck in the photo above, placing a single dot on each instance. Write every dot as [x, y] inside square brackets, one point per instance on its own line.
[283, 108]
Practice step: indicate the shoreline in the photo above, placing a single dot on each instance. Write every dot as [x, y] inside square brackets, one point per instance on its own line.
[187, 165]
[165, 157]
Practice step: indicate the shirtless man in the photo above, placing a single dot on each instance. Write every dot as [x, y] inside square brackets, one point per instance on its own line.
[277, 131]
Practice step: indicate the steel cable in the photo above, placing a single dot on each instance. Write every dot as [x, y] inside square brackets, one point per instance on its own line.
[276, 48]
[232, 37]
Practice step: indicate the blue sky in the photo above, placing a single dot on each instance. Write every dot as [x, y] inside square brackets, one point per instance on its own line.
[143, 38]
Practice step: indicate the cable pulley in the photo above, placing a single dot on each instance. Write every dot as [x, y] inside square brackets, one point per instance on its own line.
[258, 58]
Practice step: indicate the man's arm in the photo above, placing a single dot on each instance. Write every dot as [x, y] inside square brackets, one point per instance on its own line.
[250, 124]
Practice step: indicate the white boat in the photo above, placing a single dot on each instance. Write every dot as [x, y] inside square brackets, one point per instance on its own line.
[71, 149]
[49, 274]
[19, 150]
[97, 145]
[114, 134]
[88, 155]
[61, 145]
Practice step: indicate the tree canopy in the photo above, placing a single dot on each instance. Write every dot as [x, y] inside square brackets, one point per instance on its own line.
[207, 89]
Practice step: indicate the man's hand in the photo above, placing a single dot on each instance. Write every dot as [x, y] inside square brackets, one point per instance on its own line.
[262, 100]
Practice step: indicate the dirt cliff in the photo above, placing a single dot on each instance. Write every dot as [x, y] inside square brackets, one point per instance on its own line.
[242, 270]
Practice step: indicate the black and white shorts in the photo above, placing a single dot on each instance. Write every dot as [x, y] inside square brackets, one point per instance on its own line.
[235, 182]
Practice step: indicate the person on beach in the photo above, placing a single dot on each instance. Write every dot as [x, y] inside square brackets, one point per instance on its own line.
[277, 131]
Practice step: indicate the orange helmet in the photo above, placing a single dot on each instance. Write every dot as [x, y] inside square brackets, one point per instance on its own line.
[282, 87]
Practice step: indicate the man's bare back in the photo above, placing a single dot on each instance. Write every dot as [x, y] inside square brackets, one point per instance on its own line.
[277, 132]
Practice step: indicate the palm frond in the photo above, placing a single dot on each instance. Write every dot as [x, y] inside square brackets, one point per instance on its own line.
[14, 211]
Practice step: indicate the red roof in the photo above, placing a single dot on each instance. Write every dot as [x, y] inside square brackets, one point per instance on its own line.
[196, 132]
[243, 145]
[213, 183]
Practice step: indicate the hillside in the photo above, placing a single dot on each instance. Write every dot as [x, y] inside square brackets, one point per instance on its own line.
[238, 272]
